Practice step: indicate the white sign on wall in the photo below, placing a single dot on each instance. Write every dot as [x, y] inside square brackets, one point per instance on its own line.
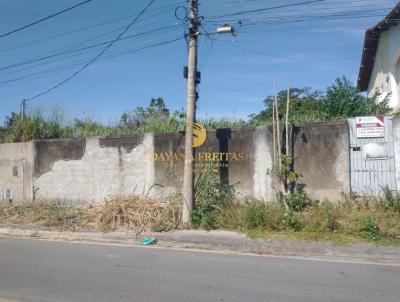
[370, 126]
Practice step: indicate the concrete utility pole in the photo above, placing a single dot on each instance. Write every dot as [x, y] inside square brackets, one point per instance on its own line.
[188, 177]
[23, 110]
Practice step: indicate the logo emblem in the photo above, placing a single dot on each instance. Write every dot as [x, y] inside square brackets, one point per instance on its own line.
[199, 135]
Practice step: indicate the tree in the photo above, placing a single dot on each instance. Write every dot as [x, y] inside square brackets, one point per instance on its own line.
[156, 111]
[305, 103]
[344, 100]
[341, 100]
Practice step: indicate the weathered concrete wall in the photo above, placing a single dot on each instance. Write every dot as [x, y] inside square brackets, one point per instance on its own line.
[83, 170]
[321, 158]
[92, 169]
[264, 186]
[248, 176]
[16, 169]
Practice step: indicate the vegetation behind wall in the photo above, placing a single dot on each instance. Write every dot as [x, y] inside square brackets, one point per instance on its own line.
[340, 101]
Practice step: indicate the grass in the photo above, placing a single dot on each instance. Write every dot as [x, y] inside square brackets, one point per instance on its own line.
[54, 215]
[351, 221]
[296, 215]
[128, 213]
[347, 222]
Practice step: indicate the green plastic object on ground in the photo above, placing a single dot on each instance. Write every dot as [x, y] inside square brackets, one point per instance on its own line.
[148, 241]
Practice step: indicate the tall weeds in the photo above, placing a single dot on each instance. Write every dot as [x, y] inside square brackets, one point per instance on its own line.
[38, 126]
[210, 197]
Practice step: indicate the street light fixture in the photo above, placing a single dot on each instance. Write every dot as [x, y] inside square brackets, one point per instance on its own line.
[226, 29]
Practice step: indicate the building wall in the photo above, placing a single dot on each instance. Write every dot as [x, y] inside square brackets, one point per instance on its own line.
[93, 169]
[248, 177]
[385, 75]
[83, 170]
[321, 158]
[16, 169]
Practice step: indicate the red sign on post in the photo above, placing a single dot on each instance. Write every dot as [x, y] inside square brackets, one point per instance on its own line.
[370, 126]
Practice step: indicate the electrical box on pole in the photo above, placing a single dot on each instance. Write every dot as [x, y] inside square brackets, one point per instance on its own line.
[198, 74]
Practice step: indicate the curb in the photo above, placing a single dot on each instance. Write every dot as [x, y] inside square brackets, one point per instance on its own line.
[227, 242]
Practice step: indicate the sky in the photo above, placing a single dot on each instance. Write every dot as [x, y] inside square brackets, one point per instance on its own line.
[305, 46]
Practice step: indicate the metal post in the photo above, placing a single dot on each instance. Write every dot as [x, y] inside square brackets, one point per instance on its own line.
[188, 179]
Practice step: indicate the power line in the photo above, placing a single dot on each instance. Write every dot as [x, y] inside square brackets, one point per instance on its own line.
[96, 57]
[105, 78]
[57, 70]
[85, 48]
[264, 9]
[290, 58]
[70, 67]
[44, 19]
[79, 30]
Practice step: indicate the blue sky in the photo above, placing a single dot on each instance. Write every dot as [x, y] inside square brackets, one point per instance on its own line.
[308, 45]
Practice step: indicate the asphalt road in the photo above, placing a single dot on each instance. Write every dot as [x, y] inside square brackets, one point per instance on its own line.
[36, 270]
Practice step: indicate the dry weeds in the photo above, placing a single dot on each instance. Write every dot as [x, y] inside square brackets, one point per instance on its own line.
[128, 212]
[137, 213]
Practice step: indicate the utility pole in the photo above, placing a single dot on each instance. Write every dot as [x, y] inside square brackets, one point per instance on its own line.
[23, 110]
[188, 177]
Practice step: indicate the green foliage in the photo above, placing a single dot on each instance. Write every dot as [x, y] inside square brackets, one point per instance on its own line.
[156, 111]
[256, 214]
[155, 118]
[269, 216]
[369, 229]
[344, 100]
[210, 195]
[223, 123]
[390, 201]
[34, 126]
[340, 223]
[291, 222]
[297, 200]
[285, 172]
[305, 104]
[341, 100]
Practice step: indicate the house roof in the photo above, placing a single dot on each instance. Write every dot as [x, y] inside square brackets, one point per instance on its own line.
[371, 44]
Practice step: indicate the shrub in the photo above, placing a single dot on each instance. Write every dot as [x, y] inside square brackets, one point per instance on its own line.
[296, 201]
[390, 201]
[369, 229]
[290, 221]
[255, 214]
[209, 198]
[271, 216]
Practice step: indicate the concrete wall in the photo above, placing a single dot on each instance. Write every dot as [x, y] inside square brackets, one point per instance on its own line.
[248, 176]
[83, 170]
[16, 170]
[385, 74]
[321, 158]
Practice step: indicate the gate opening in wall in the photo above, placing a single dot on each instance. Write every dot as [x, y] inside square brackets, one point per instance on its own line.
[372, 159]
